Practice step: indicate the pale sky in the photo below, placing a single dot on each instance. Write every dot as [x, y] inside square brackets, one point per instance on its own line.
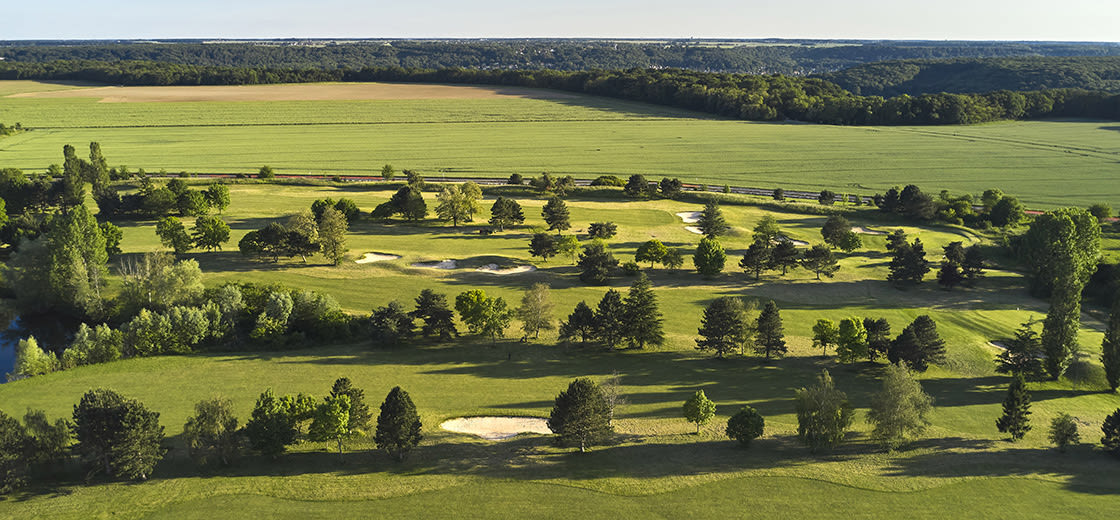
[1072, 20]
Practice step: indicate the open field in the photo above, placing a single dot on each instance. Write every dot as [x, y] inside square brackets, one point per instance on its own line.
[314, 92]
[1047, 164]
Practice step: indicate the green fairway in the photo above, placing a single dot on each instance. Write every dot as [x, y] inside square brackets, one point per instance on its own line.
[1046, 164]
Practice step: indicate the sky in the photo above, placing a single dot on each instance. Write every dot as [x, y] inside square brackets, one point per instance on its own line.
[1043, 20]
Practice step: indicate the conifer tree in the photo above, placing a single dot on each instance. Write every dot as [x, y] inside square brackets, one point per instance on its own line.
[506, 212]
[1110, 348]
[919, 345]
[398, 424]
[709, 258]
[711, 221]
[580, 415]
[432, 308]
[819, 259]
[643, 319]
[595, 263]
[878, 337]
[725, 326]
[555, 213]
[1022, 354]
[756, 259]
[1111, 430]
[610, 319]
[580, 324]
[770, 333]
[972, 268]
[784, 256]
[1016, 409]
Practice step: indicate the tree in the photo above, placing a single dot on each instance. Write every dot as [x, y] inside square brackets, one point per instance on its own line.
[210, 233]
[211, 433]
[972, 269]
[31, 360]
[331, 421]
[580, 324]
[432, 308]
[1063, 431]
[266, 172]
[506, 212]
[784, 256]
[915, 204]
[75, 264]
[949, 275]
[398, 424]
[711, 221]
[387, 172]
[484, 315]
[535, 311]
[172, 233]
[98, 170]
[746, 425]
[900, 409]
[555, 213]
[1008, 212]
[1060, 250]
[699, 410]
[453, 206]
[724, 327]
[542, 245]
[851, 341]
[472, 194]
[1101, 211]
[50, 442]
[332, 235]
[823, 414]
[271, 428]
[651, 251]
[217, 196]
[1110, 348]
[1016, 409]
[766, 230]
[595, 263]
[113, 235]
[602, 230]
[827, 197]
[670, 188]
[580, 415]
[819, 260]
[756, 259]
[895, 240]
[779, 194]
[878, 337]
[191, 203]
[409, 203]
[14, 454]
[908, 263]
[1022, 354]
[568, 245]
[834, 230]
[359, 414]
[850, 242]
[1059, 332]
[301, 235]
[673, 258]
[610, 319]
[117, 435]
[643, 319]
[770, 336]
[390, 325]
[710, 257]
[919, 345]
[637, 186]
[1111, 429]
[825, 334]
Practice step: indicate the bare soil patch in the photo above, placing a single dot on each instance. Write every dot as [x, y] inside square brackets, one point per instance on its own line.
[296, 92]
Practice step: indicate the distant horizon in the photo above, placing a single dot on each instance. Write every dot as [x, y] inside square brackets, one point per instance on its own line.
[235, 39]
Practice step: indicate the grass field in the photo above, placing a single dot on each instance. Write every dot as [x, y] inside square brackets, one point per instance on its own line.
[656, 468]
[1047, 164]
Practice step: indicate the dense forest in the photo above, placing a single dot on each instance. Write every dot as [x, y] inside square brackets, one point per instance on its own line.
[963, 75]
[741, 96]
[787, 57]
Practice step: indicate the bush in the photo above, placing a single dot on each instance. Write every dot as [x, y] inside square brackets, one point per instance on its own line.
[1063, 431]
[608, 180]
[631, 268]
[746, 425]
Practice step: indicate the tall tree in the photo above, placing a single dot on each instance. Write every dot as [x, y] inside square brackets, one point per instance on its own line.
[390, 325]
[580, 324]
[506, 212]
[610, 319]
[784, 256]
[172, 233]
[117, 435]
[1022, 354]
[878, 337]
[769, 331]
[472, 195]
[332, 235]
[972, 269]
[210, 233]
[651, 251]
[756, 259]
[432, 308]
[819, 259]
[595, 263]
[1016, 410]
[398, 424]
[724, 327]
[453, 205]
[835, 229]
[823, 414]
[330, 421]
[542, 245]
[709, 257]
[1060, 251]
[900, 409]
[555, 213]
[1110, 348]
[699, 410]
[580, 415]
[535, 311]
[271, 428]
[711, 221]
[643, 319]
[211, 433]
[852, 341]
[359, 414]
[76, 261]
[919, 345]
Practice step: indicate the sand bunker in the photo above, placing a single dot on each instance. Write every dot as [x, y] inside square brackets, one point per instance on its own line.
[442, 264]
[865, 231]
[689, 217]
[375, 257]
[1001, 346]
[794, 242]
[301, 92]
[496, 428]
[694, 229]
[493, 269]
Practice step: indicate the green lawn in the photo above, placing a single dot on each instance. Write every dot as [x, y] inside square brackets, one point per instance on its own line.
[1047, 164]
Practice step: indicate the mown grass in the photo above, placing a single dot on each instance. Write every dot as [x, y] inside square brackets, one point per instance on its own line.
[1047, 164]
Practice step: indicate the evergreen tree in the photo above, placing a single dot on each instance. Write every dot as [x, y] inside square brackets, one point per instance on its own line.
[972, 268]
[212, 434]
[784, 256]
[390, 325]
[896, 239]
[595, 263]
[908, 263]
[725, 326]
[673, 258]
[535, 311]
[271, 428]
[823, 414]
[580, 324]
[542, 245]
[900, 409]
[746, 425]
[1111, 430]
[359, 414]
[610, 319]
[954, 252]
[555, 213]
[603, 230]
[756, 259]
[670, 188]
[1022, 354]
[432, 308]
[1110, 348]
[819, 260]
[878, 337]
[637, 186]
[398, 424]
[1063, 431]
[766, 230]
[1016, 409]
[850, 242]
[699, 410]
[117, 435]
[580, 415]
[770, 334]
[643, 319]
[506, 212]
[919, 345]
[709, 258]
[711, 221]
[835, 229]
[14, 454]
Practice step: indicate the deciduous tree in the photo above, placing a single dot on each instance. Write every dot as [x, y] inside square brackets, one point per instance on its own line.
[699, 410]
[746, 425]
[211, 434]
[899, 410]
[823, 414]
[535, 311]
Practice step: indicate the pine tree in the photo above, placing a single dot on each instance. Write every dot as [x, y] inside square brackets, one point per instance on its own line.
[580, 324]
[1110, 348]
[784, 256]
[643, 319]
[1022, 354]
[610, 319]
[390, 325]
[580, 415]
[595, 263]
[117, 435]
[919, 345]
[835, 229]
[756, 259]
[1111, 430]
[699, 410]
[359, 414]
[555, 213]
[949, 275]
[896, 239]
[972, 268]
[506, 212]
[819, 260]
[398, 424]
[709, 258]
[543, 245]
[725, 326]
[432, 308]
[1016, 409]
[878, 337]
[770, 334]
[711, 221]
[1059, 330]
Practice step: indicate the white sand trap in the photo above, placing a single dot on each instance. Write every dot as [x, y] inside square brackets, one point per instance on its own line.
[496, 428]
[795, 242]
[493, 269]
[689, 217]
[1001, 346]
[369, 258]
[865, 231]
[442, 264]
[693, 229]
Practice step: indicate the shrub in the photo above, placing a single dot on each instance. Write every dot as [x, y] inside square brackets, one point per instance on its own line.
[746, 425]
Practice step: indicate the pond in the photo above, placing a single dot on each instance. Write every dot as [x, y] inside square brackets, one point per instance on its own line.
[51, 331]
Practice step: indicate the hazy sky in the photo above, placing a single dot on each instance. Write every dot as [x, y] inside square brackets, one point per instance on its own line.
[1079, 20]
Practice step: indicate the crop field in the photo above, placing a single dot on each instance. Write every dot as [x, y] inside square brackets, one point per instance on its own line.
[482, 131]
